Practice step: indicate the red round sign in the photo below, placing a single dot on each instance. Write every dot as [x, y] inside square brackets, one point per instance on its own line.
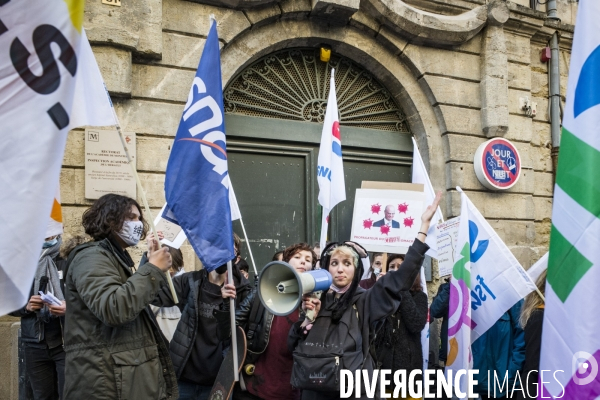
[497, 164]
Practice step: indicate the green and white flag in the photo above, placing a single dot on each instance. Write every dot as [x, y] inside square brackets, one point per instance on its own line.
[571, 331]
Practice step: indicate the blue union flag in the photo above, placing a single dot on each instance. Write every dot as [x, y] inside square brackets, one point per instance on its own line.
[197, 180]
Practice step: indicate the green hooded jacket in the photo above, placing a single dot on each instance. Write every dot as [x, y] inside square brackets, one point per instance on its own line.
[114, 348]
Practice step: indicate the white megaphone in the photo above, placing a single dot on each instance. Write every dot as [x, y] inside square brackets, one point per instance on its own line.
[280, 286]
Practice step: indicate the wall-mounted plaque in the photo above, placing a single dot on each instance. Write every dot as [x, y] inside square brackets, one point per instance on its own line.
[106, 167]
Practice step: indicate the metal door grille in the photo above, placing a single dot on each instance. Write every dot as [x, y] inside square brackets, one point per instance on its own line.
[294, 84]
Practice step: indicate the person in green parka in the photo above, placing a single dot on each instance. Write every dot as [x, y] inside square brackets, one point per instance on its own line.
[114, 348]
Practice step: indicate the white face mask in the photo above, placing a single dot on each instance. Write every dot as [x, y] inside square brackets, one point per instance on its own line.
[131, 232]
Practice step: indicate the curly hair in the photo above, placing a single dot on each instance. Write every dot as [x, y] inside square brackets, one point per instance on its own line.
[291, 251]
[68, 245]
[108, 214]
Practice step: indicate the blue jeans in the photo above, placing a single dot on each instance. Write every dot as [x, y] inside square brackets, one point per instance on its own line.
[191, 391]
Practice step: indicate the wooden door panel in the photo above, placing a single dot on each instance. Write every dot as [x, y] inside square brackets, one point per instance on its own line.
[273, 168]
[272, 186]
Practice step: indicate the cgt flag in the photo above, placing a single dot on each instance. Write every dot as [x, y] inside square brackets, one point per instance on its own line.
[197, 183]
[49, 84]
[570, 339]
[330, 169]
[487, 280]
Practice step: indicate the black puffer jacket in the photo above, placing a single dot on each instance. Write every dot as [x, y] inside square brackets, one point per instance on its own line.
[187, 287]
[398, 342]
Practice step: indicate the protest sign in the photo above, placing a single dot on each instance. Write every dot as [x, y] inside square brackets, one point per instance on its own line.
[446, 243]
[165, 222]
[386, 220]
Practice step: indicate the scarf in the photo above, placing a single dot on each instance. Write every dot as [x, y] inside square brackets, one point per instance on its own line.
[47, 268]
[121, 252]
[339, 289]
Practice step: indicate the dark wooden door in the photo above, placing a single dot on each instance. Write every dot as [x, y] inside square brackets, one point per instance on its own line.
[272, 165]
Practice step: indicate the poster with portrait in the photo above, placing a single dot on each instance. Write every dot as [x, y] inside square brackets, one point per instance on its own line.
[387, 220]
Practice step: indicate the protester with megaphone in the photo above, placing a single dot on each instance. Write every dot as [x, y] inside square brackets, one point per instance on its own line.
[268, 366]
[341, 335]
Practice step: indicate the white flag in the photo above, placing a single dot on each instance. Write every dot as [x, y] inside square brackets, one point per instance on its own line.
[538, 268]
[233, 204]
[49, 83]
[419, 175]
[330, 169]
[487, 280]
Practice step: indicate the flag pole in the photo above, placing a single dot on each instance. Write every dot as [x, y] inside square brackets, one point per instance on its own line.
[236, 375]
[144, 200]
[540, 294]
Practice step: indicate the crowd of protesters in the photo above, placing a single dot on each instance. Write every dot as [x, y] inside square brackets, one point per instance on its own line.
[118, 334]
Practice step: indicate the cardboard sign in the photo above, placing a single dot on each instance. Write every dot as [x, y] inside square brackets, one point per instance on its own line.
[106, 166]
[387, 220]
[166, 223]
[446, 243]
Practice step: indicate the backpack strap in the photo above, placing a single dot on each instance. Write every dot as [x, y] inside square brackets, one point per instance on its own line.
[369, 349]
[256, 316]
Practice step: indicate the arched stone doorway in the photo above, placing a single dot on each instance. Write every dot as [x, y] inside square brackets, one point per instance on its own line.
[274, 114]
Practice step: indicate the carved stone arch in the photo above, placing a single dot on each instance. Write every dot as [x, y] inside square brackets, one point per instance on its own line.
[390, 70]
[294, 84]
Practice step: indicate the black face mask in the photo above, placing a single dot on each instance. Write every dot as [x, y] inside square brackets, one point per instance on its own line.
[222, 269]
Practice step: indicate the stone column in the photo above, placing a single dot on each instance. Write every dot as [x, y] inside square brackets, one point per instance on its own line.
[494, 73]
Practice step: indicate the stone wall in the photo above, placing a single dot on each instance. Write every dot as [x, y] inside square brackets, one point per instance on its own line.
[456, 93]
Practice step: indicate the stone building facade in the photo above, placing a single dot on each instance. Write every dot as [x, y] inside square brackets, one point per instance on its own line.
[454, 69]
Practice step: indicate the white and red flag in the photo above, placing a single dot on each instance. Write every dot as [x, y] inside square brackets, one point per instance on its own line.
[330, 169]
